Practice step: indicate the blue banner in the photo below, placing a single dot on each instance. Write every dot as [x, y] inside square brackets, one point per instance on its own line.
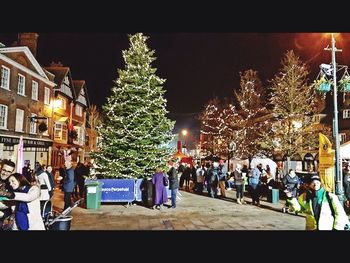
[118, 190]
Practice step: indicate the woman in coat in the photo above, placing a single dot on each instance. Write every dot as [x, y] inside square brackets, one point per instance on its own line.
[159, 181]
[27, 205]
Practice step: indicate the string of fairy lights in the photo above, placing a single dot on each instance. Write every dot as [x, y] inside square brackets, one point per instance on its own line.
[292, 100]
[136, 127]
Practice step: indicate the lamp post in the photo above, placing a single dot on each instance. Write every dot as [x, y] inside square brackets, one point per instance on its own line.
[184, 133]
[338, 168]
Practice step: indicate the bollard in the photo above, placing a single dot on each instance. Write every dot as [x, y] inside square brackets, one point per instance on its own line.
[275, 196]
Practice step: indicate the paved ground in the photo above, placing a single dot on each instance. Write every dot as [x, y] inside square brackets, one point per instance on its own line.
[193, 212]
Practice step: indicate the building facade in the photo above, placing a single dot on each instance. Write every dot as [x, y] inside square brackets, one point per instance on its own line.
[25, 104]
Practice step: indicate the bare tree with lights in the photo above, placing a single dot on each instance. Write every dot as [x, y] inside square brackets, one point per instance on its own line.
[135, 130]
[210, 125]
[294, 103]
[251, 107]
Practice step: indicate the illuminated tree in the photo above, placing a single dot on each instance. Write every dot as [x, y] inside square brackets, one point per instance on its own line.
[251, 102]
[210, 124]
[294, 103]
[135, 130]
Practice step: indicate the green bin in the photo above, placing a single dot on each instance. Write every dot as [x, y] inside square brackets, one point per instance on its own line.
[275, 196]
[93, 194]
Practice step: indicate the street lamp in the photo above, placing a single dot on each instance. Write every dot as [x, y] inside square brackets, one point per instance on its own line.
[332, 70]
[184, 133]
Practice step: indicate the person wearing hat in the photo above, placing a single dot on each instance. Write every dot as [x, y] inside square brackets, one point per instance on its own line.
[322, 209]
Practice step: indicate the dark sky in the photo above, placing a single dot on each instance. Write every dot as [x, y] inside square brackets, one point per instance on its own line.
[197, 66]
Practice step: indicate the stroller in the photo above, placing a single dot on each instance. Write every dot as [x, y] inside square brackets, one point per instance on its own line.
[294, 193]
[54, 220]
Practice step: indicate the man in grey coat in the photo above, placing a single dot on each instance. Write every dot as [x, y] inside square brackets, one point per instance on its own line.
[68, 185]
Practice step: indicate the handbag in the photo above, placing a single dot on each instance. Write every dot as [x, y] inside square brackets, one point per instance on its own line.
[165, 181]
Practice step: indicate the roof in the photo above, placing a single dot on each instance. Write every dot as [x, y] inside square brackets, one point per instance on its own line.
[78, 86]
[59, 72]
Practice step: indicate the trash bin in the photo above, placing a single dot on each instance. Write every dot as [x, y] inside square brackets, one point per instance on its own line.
[147, 192]
[93, 194]
[275, 196]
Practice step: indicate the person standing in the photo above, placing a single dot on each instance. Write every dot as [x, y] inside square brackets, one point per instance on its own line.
[45, 188]
[239, 182]
[51, 179]
[213, 173]
[346, 185]
[68, 185]
[254, 182]
[159, 181]
[322, 209]
[173, 183]
[222, 177]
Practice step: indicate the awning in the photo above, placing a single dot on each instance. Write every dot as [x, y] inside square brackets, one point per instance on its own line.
[62, 119]
[296, 157]
[309, 157]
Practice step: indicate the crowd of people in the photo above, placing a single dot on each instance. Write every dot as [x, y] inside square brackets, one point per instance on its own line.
[25, 198]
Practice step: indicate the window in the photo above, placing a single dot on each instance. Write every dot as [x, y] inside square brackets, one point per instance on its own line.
[32, 127]
[5, 78]
[81, 135]
[35, 90]
[60, 131]
[346, 114]
[316, 118]
[342, 137]
[47, 96]
[19, 120]
[21, 88]
[78, 110]
[3, 116]
[61, 102]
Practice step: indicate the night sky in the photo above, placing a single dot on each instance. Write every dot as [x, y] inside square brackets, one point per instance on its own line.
[196, 66]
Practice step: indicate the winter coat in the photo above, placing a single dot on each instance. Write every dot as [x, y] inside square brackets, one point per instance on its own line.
[326, 220]
[68, 183]
[238, 177]
[256, 176]
[45, 186]
[160, 193]
[33, 202]
[173, 180]
[291, 182]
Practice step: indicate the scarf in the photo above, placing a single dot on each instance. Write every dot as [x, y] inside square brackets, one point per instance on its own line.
[22, 210]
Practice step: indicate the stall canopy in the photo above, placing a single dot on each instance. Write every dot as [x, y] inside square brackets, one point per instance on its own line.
[296, 157]
[308, 157]
[345, 150]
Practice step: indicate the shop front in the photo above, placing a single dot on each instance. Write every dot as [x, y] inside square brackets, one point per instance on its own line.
[35, 149]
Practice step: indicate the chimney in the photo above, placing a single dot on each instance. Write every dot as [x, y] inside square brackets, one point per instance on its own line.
[30, 40]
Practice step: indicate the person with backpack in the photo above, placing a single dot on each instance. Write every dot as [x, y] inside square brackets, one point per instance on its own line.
[322, 209]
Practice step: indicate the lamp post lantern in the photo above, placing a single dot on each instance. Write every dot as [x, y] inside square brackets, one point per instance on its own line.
[338, 167]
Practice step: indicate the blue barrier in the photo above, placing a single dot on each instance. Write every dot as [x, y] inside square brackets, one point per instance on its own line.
[122, 190]
[118, 190]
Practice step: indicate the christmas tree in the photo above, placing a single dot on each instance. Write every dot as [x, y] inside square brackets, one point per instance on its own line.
[135, 130]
